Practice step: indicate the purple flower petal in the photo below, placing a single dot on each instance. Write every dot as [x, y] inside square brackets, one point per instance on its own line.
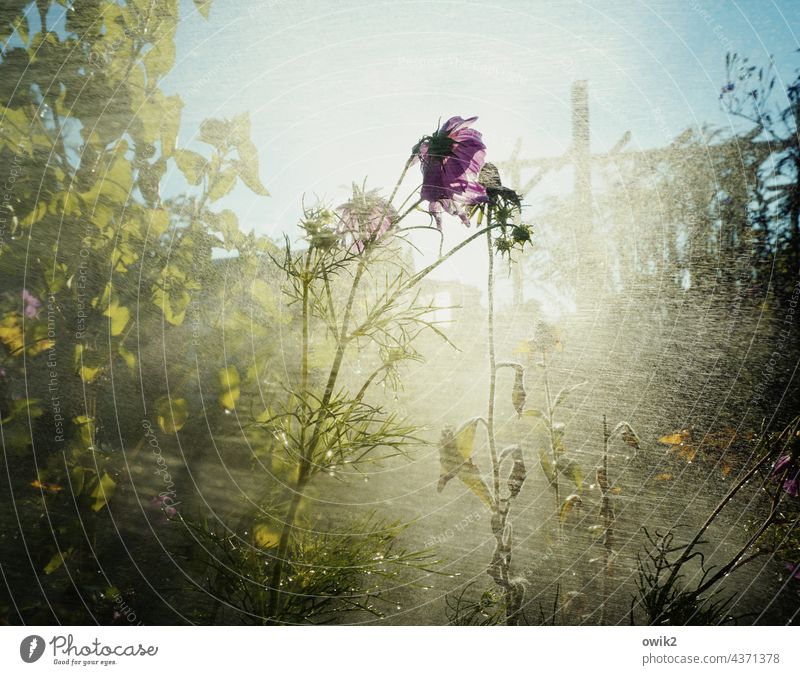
[451, 160]
[790, 484]
[32, 304]
[366, 218]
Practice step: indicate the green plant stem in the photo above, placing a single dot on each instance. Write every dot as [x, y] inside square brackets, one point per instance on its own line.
[551, 430]
[304, 472]
[499, 512]
[419, 276]
[492, 368]
[608, 524]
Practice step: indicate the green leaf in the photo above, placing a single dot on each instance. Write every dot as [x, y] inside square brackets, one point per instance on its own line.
[204, 7]
[547, 467]
[215, 132]
[103, 492]
[171, 414]
[455, 458]
[534, 413]
[247, 167]
[160, 58]
[465, 438]
[222, 184]
[119, 317]
[56, 561]
[127, 356]
[229, 381]
[170, 122]
[192, 165]
[469, 474]
[227, 224]
[174, 304]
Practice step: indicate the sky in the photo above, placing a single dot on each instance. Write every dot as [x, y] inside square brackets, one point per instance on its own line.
[339, 92]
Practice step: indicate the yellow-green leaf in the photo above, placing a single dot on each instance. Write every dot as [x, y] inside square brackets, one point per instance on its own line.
[547, 466]
[128, 357]
[56, 561]
[204, 7]
[265, 536]
[171, 414]
[103, 492]
[465, 438]
[119, 316]
[222, 184]
[192, 165]
[229, 382]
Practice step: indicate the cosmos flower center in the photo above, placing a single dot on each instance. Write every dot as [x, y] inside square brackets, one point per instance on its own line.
[440, 145]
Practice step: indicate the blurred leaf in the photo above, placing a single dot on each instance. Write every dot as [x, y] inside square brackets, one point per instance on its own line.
[86, 429]
[465, 438]
[675, 439]
[159, 59]
[171, 414]
[222, 184]
[11, 334]
[455, 451]
[204, 7]
[266, 536]
[173, 303]
[52, 488]
[469, 474]
[103, 492]
[128, 357]
[192, 165]
[247, 167]
[215, 132]
[229, 381]
[56, 561]
[170, 122]
[119, 317]
[534, 412]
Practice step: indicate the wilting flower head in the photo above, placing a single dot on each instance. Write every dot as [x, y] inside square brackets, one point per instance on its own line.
[364, 219]
[164, 503]
[791, 483]
[451, 159]
[31, 302]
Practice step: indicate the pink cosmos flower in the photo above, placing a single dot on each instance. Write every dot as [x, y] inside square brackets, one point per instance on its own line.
[791, 483]
[364, 219]
[32, 304]
[164, 503]
[451, 159]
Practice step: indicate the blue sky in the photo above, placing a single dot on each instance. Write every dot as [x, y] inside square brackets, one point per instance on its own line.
[340, 91]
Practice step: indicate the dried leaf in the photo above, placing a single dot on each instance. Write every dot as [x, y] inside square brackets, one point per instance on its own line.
[569, 504]
[518, 394]
[52, 488]
[675, 439]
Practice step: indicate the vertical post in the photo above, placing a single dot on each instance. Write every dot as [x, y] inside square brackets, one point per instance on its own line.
[581, 154]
